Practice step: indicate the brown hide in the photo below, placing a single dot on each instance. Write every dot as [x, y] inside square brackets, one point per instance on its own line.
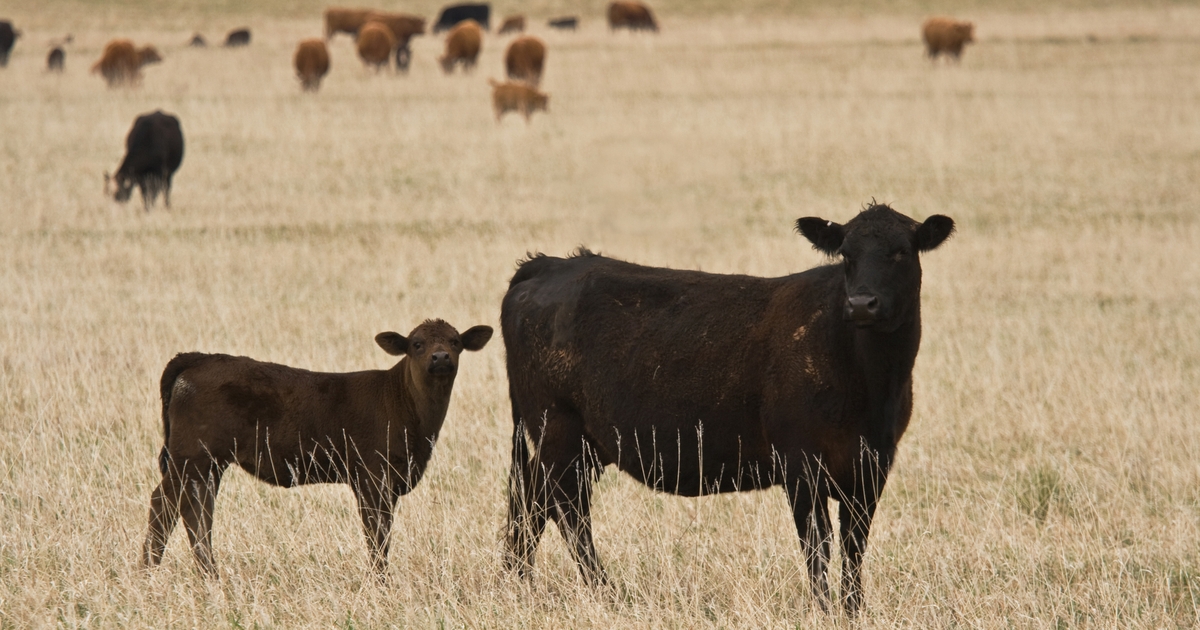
[312, 63]
[375, 43]
[520, 97]
[946, 35]
[402, 25]
[121, 63]
[524, 59]
[462, 46]
[631, 15]
[344, 20]
[373, 430]
[512, 24]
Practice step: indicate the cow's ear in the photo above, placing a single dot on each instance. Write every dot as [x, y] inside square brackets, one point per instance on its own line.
[826, 236]
[476, 337]
[934, 231]
[392, 343]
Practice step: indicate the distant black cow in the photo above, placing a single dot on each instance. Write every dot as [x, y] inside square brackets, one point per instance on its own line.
[153, 152]
[56, 59]
[238, 37]
[696, 383]
[569, 23]
[456, 13]
[197, 41]
[8, 36]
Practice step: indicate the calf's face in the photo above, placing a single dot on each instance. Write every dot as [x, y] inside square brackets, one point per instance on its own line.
[879, 250]
[433, 347]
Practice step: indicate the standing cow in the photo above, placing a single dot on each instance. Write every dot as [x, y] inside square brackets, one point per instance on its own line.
[375, 44]
[8, 37]
[524, 59]
[462, 46]
[452, 15]
[121, 63]
[632, 15]
[237, 37]
[153, 152]
[373, 430]
[312, 63]
[946, 35]
[696, 383]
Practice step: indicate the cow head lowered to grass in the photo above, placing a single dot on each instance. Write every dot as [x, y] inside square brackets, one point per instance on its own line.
[697, 383]
[373, 430]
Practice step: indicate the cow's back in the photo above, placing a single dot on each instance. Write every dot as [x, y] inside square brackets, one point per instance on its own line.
[653, 357]
[154, 143]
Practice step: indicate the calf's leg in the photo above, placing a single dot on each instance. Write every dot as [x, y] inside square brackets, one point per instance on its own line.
[164, 514]
[200, 487]
[376, 501]
[810, 510]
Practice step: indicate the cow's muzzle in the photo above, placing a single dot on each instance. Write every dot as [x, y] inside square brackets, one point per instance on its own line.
[862, 309]
[441, 363]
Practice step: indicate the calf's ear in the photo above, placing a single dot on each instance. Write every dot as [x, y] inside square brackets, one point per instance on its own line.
[934, 231]
[826, 236]
[476, 337]
[392, 343]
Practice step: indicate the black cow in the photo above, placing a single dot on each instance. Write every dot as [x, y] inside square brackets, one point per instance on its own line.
[456, 13]
[56, 59]
[697, 383]
[153, 151]
[238, 37]
[565, 23]
[8, 37]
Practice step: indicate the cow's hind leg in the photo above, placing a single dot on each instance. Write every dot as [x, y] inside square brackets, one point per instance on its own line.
[526, 506]
[567, 464]
[200, 487]
[164, 514]
[810, 510]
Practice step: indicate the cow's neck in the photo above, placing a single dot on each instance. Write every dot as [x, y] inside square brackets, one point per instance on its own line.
[886, 360]
[425, 400]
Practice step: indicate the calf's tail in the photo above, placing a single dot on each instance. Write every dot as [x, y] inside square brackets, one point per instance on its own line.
[175, 367]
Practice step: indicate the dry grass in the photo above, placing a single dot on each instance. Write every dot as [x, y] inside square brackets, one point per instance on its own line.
[1050, 475]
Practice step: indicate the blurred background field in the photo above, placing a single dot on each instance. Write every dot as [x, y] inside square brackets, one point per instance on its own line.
[1051, 474]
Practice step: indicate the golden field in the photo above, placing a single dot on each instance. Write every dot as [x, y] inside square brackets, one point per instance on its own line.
[1051, 473]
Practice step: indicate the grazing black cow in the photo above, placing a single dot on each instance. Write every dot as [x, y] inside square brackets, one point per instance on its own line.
[456, 13]
[8, 37]
[56, 59]
[238, 37]
[568, 23]
[696, 383]
[153, 152]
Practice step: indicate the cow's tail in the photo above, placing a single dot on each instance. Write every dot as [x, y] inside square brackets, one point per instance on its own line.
[175, 367]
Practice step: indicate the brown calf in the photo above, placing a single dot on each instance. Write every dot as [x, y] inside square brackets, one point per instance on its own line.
[375, 43]
[121, 63]
[517, 97]
[946, 35]
[512, 24]
[462, 45]
[524, 59]
[312, 63]
[374, 430]
[632, 15]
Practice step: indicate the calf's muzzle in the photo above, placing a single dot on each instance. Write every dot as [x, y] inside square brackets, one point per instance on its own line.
[862, 309]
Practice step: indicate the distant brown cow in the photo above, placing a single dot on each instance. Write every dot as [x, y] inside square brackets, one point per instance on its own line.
[375, 43]
[946, 35]
[524, 59]
[462, 45]
[340, 20]
[512, 24]
[312, 63]
[634, 16]
[519, 97]
[373, 430]
[121, 63]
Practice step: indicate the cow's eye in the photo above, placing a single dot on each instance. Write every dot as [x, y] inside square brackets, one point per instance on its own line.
[417, 345]
[899, 255]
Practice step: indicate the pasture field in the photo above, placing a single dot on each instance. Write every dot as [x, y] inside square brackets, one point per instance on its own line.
[1051, 473]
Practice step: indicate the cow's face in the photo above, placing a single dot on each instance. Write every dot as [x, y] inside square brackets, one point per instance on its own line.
[432, 348]
[966, 31]
[879, 249]
[123, 186]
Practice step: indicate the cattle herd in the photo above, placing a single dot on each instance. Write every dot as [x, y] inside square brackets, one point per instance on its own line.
[727, 383]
